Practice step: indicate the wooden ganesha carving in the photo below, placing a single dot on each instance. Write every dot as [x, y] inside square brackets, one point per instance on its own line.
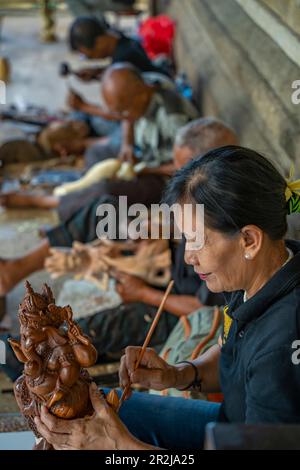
[54, 352]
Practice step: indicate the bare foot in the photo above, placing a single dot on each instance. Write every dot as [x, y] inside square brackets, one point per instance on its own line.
[12, 271]
[20, 199]
[15, 199]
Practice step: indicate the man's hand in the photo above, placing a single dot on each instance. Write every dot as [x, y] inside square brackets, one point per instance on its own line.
[75, 101]
[87, 74]
[153, 371]
[130, 288]
[127, 154]
[102, 431]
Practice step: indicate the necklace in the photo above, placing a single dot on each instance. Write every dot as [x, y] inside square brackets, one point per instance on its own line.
[291, 255]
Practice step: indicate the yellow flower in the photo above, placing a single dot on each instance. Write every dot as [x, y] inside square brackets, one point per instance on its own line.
[292, 186]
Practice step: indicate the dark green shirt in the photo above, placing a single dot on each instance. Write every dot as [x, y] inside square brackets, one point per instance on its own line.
[259, 376]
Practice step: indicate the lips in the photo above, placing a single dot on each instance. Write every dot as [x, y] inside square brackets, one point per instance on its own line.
[203, 276]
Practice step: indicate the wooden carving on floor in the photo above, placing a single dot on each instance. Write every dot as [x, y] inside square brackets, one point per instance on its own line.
[149, 260]
[54, 352]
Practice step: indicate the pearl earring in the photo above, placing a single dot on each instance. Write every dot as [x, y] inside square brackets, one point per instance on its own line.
[247, 256]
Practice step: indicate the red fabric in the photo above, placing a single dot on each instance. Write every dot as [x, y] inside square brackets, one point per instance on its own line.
[215, 397]
[157, 35]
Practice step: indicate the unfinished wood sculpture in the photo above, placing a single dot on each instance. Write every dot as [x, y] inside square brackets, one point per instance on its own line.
[54, 352]
[107, 169]
[149, 260]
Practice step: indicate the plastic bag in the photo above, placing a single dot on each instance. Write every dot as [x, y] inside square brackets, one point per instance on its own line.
[157, 34]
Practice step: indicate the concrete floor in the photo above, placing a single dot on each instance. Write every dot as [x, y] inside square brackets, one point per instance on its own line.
[34, 80]
[34, 64]
[18, 235]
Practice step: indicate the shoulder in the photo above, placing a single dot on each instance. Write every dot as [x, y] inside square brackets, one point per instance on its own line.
[130, 44]
[284, 312]
[125, 47]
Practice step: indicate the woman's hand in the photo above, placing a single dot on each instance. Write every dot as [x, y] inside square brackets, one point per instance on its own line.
[153, 371]
[130, 288]
[102, 431]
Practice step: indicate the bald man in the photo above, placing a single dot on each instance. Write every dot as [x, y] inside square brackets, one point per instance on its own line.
[151, 114]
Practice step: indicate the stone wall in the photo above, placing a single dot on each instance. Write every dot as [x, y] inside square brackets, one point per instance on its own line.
[242, 57]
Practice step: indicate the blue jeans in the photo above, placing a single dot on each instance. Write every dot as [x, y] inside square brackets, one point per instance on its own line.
[168, 422]
[99, 126]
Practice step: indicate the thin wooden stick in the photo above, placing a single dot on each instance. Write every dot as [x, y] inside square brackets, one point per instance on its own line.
[148, 338]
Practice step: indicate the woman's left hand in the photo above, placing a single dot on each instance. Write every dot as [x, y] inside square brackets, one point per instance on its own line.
[102, 431]
[130, 288]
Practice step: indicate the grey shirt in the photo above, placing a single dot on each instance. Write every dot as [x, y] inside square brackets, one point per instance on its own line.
[156, 130]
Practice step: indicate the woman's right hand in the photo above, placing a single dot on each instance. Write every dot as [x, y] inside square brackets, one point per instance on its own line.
[153, 372]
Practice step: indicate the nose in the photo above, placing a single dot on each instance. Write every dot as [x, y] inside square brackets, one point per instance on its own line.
[190, 257]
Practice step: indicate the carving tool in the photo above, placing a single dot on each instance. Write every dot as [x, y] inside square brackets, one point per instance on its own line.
[147, 340]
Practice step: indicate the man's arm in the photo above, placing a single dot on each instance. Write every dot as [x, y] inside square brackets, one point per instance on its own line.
[167, 169]
[88, 74]
[95, 110]
[76, 102]
[127, 146]
[176, 304]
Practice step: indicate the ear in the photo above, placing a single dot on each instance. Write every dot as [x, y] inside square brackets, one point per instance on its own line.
[252, 239]
[86, 52]
[182, 155]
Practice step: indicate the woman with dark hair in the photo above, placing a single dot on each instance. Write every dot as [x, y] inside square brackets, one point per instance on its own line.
[255, 365]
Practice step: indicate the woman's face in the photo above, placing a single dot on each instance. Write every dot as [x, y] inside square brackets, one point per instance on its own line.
[220, 262]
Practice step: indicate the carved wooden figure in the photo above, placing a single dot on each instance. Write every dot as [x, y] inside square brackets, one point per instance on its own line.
[148, 259]
[54, 352]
